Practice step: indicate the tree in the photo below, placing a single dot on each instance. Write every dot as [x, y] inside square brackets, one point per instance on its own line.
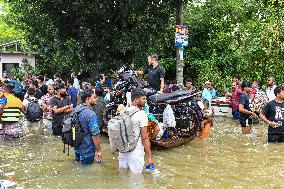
[7, 32]
[234, 37]
[91, 35]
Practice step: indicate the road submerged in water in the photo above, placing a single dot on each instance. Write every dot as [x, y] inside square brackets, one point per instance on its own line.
[227, 159]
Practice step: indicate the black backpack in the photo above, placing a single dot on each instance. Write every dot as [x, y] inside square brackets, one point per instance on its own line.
[33, 112]
[72, 134]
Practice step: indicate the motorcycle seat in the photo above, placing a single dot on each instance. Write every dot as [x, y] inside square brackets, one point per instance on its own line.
[167, 96]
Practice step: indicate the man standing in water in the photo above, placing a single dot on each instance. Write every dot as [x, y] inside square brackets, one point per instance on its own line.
[156, 74]
[235, 97]
[88, 119]
[134, 160]
[270, 88]
[246, 113]
[273, 115]
[61, 105]
[47, 114]
[10, 115]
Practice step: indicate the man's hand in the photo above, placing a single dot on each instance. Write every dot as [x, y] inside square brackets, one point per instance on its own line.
[273, 124]
[253, 115]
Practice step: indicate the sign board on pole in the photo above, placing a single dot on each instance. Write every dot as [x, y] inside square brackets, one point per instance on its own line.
[181, 36]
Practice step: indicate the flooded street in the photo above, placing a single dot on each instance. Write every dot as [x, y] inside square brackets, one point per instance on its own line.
[226, 159]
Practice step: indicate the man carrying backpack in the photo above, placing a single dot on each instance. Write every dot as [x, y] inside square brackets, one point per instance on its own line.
[88, 120]
[61, 105]
[34, 109]
[134, 160]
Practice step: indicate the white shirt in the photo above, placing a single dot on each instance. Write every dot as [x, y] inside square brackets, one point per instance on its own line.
[270, 93]
[26, 102]
[139, 120]
[76, 84]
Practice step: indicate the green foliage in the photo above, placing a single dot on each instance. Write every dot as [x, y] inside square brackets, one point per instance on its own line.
[84, 35]
[7, 32]
[226, 37]
[230, 37]
[17, 72]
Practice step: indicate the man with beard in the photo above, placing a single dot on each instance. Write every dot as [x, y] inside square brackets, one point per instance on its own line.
[61, 105]
[156, 74]
[134, 160]
[90, 146]
[270, 88]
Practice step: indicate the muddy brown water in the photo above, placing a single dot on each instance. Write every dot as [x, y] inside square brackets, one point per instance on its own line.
[226, 159]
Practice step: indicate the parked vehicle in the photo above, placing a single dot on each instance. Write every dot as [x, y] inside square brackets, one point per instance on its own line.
[187, 113]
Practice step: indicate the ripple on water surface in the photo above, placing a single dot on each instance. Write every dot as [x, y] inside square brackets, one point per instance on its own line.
[226, 159]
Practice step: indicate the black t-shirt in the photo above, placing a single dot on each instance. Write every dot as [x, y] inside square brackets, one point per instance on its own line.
[274, 111]
[154, 76]
[57, 119]
[245, 100]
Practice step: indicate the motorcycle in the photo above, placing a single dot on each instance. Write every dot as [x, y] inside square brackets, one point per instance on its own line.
[127, 80]
[188, 114]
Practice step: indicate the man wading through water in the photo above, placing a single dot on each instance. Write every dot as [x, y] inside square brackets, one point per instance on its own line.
[61, 105]
[134, 160]
[273, 115]
[246, 114]
[88, 119]
[10, 115]
[156, 74]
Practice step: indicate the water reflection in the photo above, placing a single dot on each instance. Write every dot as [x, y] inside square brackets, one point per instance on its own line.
[225, 160]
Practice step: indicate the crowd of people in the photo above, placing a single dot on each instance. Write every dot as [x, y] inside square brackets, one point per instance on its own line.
[45, 102]
[250, 104]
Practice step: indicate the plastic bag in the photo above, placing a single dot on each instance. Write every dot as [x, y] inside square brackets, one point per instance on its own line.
[169, 117]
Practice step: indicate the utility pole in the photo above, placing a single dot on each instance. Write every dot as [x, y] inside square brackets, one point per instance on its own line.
[179, 59]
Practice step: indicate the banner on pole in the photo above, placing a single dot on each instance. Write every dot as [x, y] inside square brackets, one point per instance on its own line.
[181, 37]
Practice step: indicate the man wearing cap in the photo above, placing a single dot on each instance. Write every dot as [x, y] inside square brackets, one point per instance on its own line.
[206, 92]
[61, 105]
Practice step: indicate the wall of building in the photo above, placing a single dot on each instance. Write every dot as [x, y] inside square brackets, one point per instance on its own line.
[15, 58]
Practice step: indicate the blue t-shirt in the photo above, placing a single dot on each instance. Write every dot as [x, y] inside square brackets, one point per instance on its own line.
[90, 127]
[213, 93]
[72, 91]
[109, 83]
[207, 95]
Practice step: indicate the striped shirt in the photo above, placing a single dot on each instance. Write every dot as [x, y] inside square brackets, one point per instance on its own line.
[11, 111]
[47, 114]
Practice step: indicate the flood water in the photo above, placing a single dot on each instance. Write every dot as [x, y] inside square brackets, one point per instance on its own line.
[226, 159]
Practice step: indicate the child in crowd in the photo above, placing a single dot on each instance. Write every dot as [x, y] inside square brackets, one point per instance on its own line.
[153, 128]
[207, 122]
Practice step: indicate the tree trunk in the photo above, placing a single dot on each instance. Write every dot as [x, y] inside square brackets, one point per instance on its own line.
[179, 63]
